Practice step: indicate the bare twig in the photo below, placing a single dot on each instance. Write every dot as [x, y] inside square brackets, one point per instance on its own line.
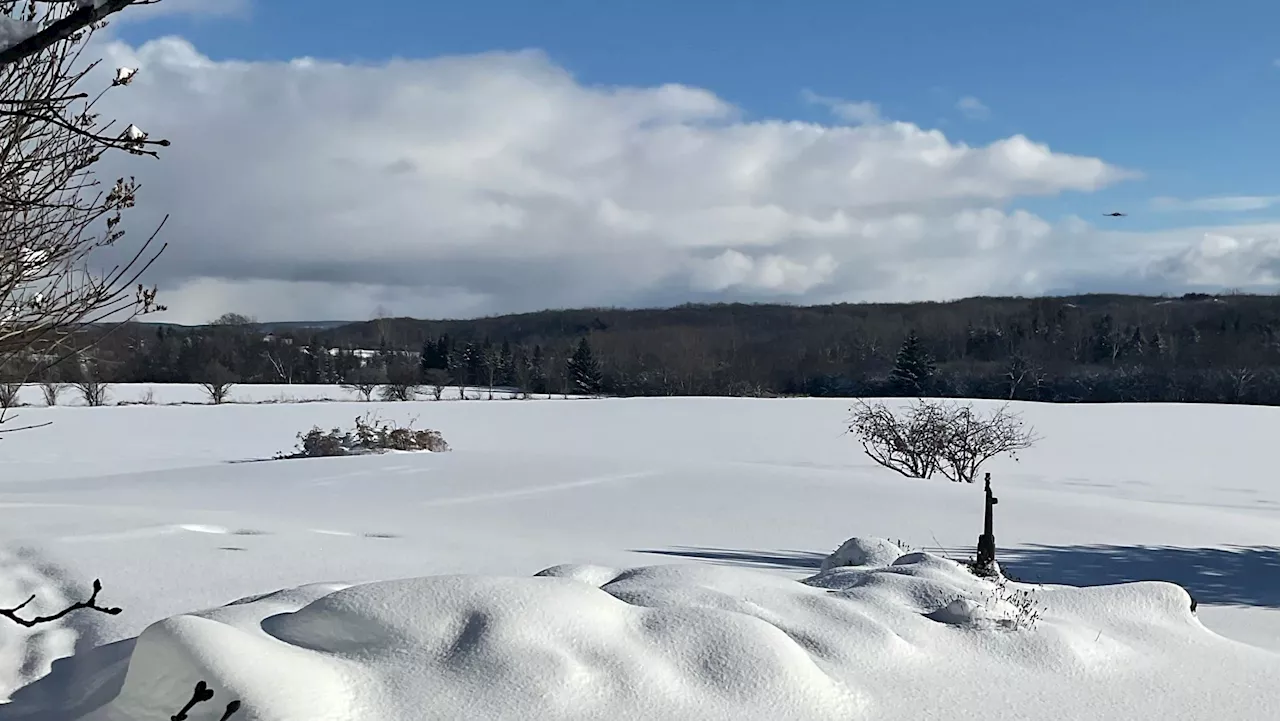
[201, 694]
[91, 603]
[54, 212]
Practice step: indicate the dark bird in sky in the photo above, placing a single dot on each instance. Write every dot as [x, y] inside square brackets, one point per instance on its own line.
[1115, 215]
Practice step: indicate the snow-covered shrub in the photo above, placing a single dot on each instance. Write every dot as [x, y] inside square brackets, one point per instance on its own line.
[370, 435]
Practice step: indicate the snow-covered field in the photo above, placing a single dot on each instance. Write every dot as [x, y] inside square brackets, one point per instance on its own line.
[170, 507]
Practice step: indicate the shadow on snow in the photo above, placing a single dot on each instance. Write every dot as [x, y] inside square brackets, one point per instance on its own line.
[791, 560]
[1226, 576]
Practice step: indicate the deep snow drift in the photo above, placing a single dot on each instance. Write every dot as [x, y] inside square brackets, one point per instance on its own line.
[162, 504]
[916, 638]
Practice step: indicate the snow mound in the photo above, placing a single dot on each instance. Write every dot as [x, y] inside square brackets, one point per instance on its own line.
[862, 552]
[918, 637]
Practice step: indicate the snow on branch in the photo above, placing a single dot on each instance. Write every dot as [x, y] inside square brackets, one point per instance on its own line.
[22, 38]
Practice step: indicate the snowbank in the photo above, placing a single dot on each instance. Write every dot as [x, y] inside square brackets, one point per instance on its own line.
[917, 637]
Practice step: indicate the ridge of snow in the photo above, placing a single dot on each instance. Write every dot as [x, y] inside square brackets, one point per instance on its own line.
[892, 641]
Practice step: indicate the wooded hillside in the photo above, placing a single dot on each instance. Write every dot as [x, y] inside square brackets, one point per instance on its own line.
[1092, 348]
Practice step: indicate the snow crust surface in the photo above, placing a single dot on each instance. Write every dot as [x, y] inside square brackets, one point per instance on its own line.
[919, 637]
[170, 508]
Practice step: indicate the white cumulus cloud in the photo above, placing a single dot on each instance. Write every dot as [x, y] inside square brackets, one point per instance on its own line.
[1244, 260]
[498, 182]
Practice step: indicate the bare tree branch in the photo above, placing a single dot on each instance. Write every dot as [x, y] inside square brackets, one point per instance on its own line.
[87, 14]
[54, 213]
[91, 603]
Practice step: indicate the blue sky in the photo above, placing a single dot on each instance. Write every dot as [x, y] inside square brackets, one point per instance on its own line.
[517, 188]
[1186, 93]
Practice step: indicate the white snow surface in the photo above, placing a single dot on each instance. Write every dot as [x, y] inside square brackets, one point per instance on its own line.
[409, 586]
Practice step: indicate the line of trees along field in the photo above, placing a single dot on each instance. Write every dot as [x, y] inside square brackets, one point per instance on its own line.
[1091, 348]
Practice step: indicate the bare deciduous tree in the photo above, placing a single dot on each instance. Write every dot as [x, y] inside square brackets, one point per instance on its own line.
[973, 439]
[281, 365]
[438, 380]
[364, 380]
[1022, 373]
[52, 391]
[910, 444]
[217, 382]
[234, 320]
[54, 213]
[492, 362]
[930, 436]
[402, 382]
[9, 393]
[399, 391]
[92, 390]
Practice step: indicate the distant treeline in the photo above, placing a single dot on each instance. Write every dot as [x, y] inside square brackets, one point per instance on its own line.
[1093, 348]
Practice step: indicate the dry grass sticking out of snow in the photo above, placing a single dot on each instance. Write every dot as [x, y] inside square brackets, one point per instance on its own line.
[130, 394]
[916, 638]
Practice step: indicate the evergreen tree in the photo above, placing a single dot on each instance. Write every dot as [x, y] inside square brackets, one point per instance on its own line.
[538, 371]
[584, 369]
[506, 365]
[429, 356]
[913, 368]
[444, 346]
[435, 353]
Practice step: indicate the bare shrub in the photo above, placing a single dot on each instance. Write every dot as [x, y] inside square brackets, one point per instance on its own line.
[52, 392]
[364, 381]
[931, 436]
[1022, 607]
[92, 389]
[217, 382]
[399, 392]
[9, 393]
[402, 383]
[436, 379]
[370, 435]
[972, 439]
[910, 443]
